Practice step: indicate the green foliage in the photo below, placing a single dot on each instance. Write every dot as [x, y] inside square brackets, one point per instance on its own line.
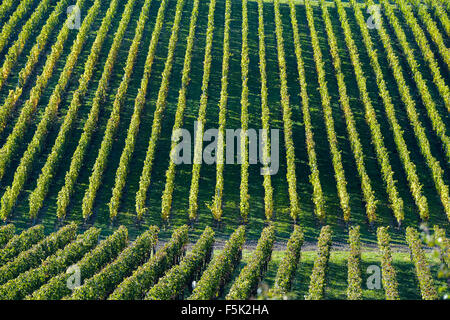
[423, 273]
[265, 112]
[314, 178]
[9, 198]
[16, 49]
[37, 197]
[247, 282]
[339, 173]
[21, 242]
[136, 286]
[389, 276]
[412, 113]
[29, 281]
[34, 256]
[352, 132]
[104, 282]
[291, 176]
[90, 126]
[288, 266]
[396, 202]
[166, 198]
[6, 233]
[91, 263]
[318, 277]
[220, 269]
[144, 181]
[216, 206]
[430, 105]
[441, 249]
[14, 20]
[33, 58]
[176, 279]
[354, 290]
[201, 119]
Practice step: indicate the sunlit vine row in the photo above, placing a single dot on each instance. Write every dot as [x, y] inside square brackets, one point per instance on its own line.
[9, 198]
[339, 173]
[389, 276]
[314, 178]
[396, 202]
[136, 286]
[32, 60]
[37, 197]
[16, 49]
[201, 119]
[103, 283]
[424, 45]
[265, 115]
[14, 20]
[176, 279]
[247, 282]
[410, 169]
[355, 142]
[428, 101]
[166, 199]
[423, 273]
[90, 125]
[221, 268]
[410, 104]
[113, 122]
[354, 289]
[29, 281]
[287, 117]
[144, 181]
[318, 276]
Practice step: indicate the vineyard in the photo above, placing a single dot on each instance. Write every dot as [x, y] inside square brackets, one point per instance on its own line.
[351, 96]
